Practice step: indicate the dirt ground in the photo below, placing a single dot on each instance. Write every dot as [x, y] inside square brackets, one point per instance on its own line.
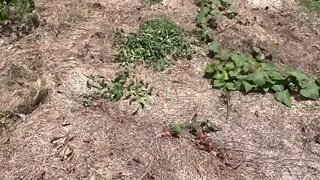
[62, 139]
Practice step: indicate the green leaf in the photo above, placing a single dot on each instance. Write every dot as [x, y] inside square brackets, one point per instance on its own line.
[209, 69]
[235, 72]
[201, 17]
[257, 77]
[229, 66]
[237, 85]
[268, 67]
[247, 86]
[215, 13]
[215, 47]
[284, 97]
[266, 89]
[238, 59]
[275, 75]
[229, 86]
[311, 91]
[222, 75]
[217, 83]
[176, 129]
[278, 87]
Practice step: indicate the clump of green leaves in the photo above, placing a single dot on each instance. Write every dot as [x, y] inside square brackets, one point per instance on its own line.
[211, 12]
[237, 71]
[15, 8]
[121, 87]
[154, 44]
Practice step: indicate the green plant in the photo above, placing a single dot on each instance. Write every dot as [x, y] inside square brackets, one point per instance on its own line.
[139, 91]
[121, 87]
[155, 43]
[237, 71]
[176, 129]
[210, 14]
[15, 8]
[313, 5]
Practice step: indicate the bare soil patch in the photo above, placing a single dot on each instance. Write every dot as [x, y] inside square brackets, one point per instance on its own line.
[61, 139]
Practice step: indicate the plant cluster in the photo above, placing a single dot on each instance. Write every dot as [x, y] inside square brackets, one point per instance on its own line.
[248, 73]
[154, 44]
[121, 87]
[210, 14]
[15, 8]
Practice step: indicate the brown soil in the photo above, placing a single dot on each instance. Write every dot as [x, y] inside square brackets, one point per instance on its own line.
[61, 139]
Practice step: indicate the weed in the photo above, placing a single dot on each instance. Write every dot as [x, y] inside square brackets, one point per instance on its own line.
[176, 129]
[121, 87]
[238, 71]
[155, 43]
[312, 5]
[15, 8]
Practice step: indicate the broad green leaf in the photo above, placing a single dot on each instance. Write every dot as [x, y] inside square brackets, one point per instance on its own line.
[235, 72]
[268, 67]
[275, 75]
[229, 66]
[266, 89]
[201, 17]
[311, 91]
[247, 86]
[229, 86]
[284, 97]
[278, 87]
[237, 85]
[257, 77]
[217, 83]
[238, 59]
[297, 74]
[209, 69]
[217, 75]
[215, 13]
[225, 75]
[215, 47]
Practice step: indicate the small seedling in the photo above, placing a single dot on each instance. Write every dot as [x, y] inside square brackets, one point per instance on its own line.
[154, 44]
[176, 129]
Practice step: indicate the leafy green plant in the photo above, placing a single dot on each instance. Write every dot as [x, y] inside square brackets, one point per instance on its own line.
[139, 91]
[210, 14]
[121, 87]
[237, 71]
[154, 44]
[15, 8]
